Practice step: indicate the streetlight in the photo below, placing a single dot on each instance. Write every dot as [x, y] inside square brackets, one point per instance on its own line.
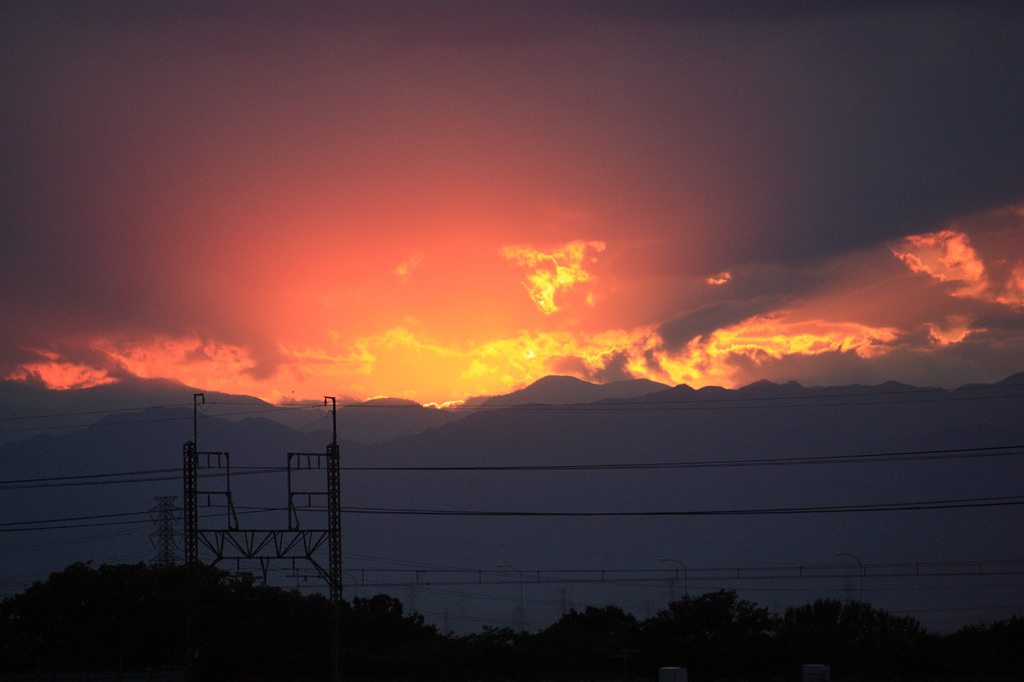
[862, 570]
[686, 589]
[521, 604]
[355, 584]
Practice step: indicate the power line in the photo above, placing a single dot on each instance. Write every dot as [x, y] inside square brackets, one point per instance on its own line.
[263, 407]
[71, 522]
[958, 453]
[91, 412]
[432, 578]
[144, 476]
[834, 509]
[88, 479]
[262, 410]
[66, 542]
[150, 475]
[56, 524]
[16, 524]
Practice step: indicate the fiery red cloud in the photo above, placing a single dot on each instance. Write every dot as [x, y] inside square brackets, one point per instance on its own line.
[939, 300]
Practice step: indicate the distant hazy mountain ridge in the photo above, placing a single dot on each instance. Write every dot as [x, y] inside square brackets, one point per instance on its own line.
[691, 474]
[564, 390]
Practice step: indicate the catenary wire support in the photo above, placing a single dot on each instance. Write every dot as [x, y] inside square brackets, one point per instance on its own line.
[334, 536]
[264, 545]
[190, 468]
[191, 476]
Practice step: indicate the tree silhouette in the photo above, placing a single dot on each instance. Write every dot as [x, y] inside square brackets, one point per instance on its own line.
[716, 635]
[125, 617]
[379, 639]
[83, 618]
[851, 637]
[993, 650]
[131, 616]
[492, 653]
[597, 642]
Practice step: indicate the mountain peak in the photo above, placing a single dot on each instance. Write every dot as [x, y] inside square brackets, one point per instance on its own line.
[387, 402]
[567, 390]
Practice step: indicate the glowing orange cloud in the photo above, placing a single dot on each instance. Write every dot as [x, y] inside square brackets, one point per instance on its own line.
[404, 363]
[60, 375]
[512, 362]
[719, 279]
[409, 265]
[553, 272]
[406, 356]
[712, 359]
[948, 257]
[505, 364]
[1013, 295]
[956, 330]
[189, 359]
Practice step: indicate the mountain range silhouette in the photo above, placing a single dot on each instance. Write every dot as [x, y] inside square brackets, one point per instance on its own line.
[565, 475]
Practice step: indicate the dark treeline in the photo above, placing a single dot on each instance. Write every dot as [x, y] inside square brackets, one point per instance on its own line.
[132, 617]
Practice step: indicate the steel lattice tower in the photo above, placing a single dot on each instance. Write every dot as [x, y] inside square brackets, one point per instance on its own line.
[165, 538]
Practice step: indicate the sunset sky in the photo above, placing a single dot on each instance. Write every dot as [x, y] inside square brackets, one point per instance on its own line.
[436, 200]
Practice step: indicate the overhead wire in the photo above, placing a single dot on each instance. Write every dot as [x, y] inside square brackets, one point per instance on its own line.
[267, 408]
[1013, 500]
[82, 539]
[100, 519]
[143, 476]
[91, 412]
[954, 453]
[166, 474]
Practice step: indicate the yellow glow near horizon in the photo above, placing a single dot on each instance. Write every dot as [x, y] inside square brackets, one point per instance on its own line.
[447, 373]
[431, 363]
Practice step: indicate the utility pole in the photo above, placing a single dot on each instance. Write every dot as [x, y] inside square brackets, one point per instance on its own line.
[522, 603]
[191, 471]
[672, 581]
[860, 566]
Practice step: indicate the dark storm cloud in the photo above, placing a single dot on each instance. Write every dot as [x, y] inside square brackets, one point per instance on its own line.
[688, 326]
[977, 359]
[612, 367]
[805, 130]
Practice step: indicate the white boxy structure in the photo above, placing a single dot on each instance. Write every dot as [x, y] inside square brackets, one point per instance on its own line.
[672, 675]
[815, 672]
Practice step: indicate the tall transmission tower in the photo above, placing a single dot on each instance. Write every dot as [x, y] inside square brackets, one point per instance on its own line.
[165, 537]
